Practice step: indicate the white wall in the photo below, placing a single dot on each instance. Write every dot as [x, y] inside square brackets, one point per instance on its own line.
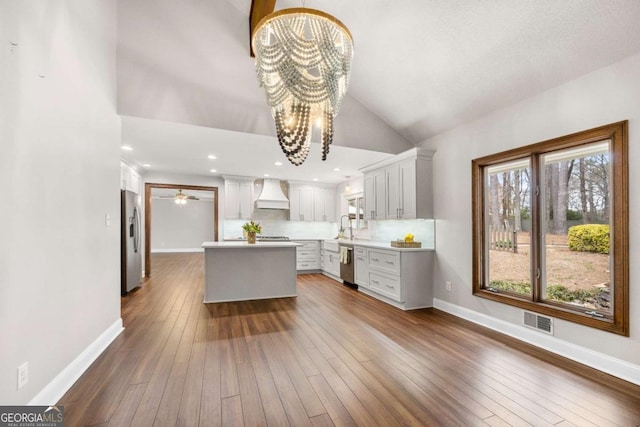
[608, 95]
[182, 179]
[181, 228]
[60, 165]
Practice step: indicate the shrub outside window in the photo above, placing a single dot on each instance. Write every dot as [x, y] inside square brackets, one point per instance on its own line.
[550, 227]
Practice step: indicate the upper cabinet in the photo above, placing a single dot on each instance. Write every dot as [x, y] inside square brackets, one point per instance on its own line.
[311, 203]
[238, 196]
[130, 179]
[375, 195]
[400, 188]
[300, 203]
[324, 205]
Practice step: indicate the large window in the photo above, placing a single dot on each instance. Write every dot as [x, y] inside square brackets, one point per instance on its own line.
[550, 227]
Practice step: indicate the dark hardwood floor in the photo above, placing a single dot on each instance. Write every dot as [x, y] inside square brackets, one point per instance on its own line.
[331, 356]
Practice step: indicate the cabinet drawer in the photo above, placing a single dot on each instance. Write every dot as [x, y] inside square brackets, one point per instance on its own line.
[388, 261]
[307, 265]
[302, 254]
[307, 245]
[387, 286]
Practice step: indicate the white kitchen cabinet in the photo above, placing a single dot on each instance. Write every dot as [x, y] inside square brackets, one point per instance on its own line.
[375, 195]
[238, 196]
[361, 268]
[130, 179]
[402, 278]
[330, 259]
[400, 188]
[332, 263]
[408, 187]
[300, 203]
[369, 196]
[324, 205]
[307, 255]
[311, 203]
[394, 191]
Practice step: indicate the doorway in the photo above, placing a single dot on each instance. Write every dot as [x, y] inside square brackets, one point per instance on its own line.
[148, 187]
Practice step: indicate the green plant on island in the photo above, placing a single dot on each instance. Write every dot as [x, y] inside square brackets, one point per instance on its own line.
[252, 227]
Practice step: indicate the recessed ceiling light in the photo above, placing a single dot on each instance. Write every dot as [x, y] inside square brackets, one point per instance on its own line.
[315, 179]
[336, 169]
[266, 174]
[146, 165]
[211, 156]
[278, 163]
[127, 148]
[213, 170]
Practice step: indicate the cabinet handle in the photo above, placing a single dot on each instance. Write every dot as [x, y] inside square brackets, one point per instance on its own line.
[375, 259]
[389, 286]
[375, 281]
[330, 258]
[360, 258]
[304, 265]
[389, 262]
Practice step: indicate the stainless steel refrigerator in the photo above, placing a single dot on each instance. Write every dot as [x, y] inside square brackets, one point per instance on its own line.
[130, 244]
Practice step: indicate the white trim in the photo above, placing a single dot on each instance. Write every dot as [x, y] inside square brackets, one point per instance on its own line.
[156, 251]
[415, 153]
[54, 391]
[602, 362]
[332, 276]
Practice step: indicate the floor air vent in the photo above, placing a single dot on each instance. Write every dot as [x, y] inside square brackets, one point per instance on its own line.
[538, 322]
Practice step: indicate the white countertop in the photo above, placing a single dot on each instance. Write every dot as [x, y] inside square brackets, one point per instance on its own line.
[257, 245]
[382, 245]
[364, 243]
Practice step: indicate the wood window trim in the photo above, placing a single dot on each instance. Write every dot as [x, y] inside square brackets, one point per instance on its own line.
[618, 134]
[148, 186]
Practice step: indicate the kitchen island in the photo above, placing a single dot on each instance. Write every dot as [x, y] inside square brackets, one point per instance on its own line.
[239, 271]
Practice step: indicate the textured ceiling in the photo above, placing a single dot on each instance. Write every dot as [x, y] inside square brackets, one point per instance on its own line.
[420, 67]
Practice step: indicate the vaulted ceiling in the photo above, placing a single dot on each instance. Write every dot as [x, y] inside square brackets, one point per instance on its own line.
[420, 67]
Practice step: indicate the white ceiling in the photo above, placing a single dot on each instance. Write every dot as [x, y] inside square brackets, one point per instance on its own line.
[170, 193]
[179, 148]
[421, 67]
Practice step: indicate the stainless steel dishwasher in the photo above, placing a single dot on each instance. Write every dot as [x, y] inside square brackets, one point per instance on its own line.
[347, 265]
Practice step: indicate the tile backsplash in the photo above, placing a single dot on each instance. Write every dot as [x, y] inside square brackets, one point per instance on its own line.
[276, 227]
[422, 229]
[379, 231]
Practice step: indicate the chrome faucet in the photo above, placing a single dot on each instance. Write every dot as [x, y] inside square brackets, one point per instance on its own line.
[350, 226]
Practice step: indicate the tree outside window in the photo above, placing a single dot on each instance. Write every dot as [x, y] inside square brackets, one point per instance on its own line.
[550, 227]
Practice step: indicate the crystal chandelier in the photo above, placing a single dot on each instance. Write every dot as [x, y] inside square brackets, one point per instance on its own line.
[303, 62]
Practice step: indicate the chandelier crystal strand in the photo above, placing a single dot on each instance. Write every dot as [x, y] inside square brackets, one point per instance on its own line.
[303, 62]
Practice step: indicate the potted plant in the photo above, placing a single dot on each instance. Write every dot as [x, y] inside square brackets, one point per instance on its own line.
[252, 228]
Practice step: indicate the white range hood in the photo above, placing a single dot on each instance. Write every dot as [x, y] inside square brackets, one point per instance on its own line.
[271, 196]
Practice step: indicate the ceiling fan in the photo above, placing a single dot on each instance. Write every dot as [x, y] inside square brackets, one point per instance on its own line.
[180, 198]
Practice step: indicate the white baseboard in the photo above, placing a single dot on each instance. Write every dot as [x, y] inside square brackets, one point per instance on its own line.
[331, 276]
[159, 251]
[602, 362]
[54, 391]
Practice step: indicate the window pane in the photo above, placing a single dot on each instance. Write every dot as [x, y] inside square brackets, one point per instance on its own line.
[575, 221]
[508, 227]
